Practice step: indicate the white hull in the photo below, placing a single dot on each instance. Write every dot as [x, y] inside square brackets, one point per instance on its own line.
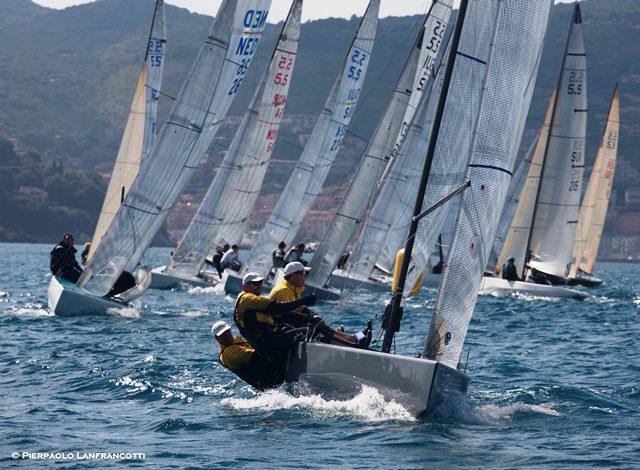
[344, 281]
[419, 385]
[498, 287]
[67, 299]
[164, 281]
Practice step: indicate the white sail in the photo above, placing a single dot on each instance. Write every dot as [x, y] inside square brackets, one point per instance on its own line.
[511, 204]
[313, 166]
[516, 45]
[515, 244]
[416, 77]
[224, 212]
[596, 200]
[196, 116]
[558, 202]
[140, 129]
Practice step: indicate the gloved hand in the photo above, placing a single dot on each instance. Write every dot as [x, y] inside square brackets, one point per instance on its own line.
[309, 299]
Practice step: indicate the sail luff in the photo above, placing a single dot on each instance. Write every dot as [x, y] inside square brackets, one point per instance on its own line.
[140, 128]
[516, 242]
[558, 203]
[224, 212]
[416, 76]
[195, 118]
[320, 151]
[593, 212]
[513, 66]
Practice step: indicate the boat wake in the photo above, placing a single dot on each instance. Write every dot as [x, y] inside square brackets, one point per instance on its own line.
[218, 289]
[124, 312]
[31, 311]
[494, 413]
[368, 405]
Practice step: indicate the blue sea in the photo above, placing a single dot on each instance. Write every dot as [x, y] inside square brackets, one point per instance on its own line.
[556, 384]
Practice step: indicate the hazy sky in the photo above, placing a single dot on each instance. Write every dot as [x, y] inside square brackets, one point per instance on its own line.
[313, 9]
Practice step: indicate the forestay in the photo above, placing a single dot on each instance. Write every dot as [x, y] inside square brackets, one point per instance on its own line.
[320, 151]
[516, 45]
[224, 212]
[197, 113]
[140, 129]
[558, 202]
[513, 198]
[416, 77]
[596, 200]
[515, 245]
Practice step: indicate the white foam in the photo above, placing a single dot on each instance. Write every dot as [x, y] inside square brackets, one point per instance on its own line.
[218, 289]
[31, 311]
[124, 312]
[368, 405]
[501, 413]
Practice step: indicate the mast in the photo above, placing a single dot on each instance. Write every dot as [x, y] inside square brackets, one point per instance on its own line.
[394, 312]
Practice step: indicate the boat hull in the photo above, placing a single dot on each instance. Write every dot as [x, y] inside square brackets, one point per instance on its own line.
[585, 280]
[164, 281]
[498, 287]
[67, 299]
[419, 385]
[344, 281]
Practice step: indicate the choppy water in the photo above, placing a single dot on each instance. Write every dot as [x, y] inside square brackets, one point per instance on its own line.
[555, 384]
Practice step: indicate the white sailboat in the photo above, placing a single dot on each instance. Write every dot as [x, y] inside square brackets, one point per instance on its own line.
[224, 212]
[195, 118]
[596, 202]
[546, 215]
[506, 38]
[416, 77]
[319, 154]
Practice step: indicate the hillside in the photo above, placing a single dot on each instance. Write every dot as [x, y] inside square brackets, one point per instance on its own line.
[67, 76]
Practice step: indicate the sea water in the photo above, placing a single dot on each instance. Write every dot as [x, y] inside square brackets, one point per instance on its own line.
[555, 384]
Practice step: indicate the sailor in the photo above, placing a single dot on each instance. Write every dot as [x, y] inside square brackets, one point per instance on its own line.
[85, 253]
[230, 259]
[509, 270]
[237, 355]
[264, 323]
[292, 286]
[215, 261]
[437, 269]
[63, 260]
[342, 262]
[295, 254]
[278, 255]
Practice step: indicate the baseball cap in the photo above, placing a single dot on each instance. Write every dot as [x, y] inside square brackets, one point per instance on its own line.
[219, 327]
[295, 267]
[251, 278]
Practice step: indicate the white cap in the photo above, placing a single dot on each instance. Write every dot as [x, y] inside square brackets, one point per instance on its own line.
[252, 277]
[295, 267]
[219, 327]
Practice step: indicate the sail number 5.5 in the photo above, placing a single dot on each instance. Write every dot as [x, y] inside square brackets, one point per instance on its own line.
[576, 80]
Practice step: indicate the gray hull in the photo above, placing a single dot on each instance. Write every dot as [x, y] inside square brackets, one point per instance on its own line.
[419, 385]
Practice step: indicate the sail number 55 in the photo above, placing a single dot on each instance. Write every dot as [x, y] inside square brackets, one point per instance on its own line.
[576, 80]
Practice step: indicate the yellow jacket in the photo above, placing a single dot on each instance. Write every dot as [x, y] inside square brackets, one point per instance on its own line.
[236, 355]
[246, 302]
[287, 292]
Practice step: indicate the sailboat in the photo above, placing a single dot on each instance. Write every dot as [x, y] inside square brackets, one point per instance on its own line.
[316, 160]
[196, 116]
[593, 212]
[495, 52]
[224, 212]
[416, 77]
[542, 233]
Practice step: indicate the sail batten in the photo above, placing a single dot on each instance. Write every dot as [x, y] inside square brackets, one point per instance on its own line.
[201, 105]
[224, 212]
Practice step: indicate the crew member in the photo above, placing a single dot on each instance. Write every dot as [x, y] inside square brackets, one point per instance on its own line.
[295, 254]
[63, 260]
[509, 270]
[278, 255]
[292, 286]
[230, 259]
[215, 261]
[437, 269]
[264, 322]
[237, 355]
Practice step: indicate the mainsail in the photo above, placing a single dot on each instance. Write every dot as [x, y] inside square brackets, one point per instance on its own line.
[558, 202]
[596, 200]
[512, 62]
[417, 76]
[224, 212]
[315, 162]
[140, 129]
[196, 116]
[511, 204]
[515, 244]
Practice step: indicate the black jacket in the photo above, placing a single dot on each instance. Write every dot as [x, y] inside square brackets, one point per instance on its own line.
[63, 262]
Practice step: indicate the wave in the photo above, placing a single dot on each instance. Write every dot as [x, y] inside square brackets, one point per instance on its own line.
[218, 289]
[508, 412]
[368, 405]
[124, 312]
